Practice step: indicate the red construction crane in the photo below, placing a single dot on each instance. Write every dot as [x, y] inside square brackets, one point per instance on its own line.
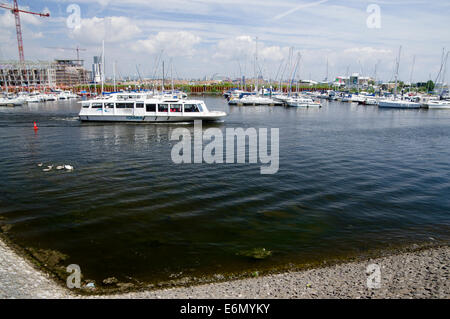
[15, 10]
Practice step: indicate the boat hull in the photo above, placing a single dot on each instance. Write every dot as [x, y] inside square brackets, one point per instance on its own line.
[151, 119]
[439, 106]
[398, 105]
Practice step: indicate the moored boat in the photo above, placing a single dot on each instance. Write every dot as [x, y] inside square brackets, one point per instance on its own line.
[147, 110]
[445, 105]
[302, 102]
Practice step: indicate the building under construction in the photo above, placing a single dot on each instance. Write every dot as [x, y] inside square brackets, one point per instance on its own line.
[56, 74]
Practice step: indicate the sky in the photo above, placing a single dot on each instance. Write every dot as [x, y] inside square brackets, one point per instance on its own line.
[206, 38]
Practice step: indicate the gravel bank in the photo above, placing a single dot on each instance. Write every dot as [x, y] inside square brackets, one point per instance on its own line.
[422, 274]
[20, 279]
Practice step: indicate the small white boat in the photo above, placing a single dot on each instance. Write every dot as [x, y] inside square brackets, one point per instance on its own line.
[443, 105]
[371, 101]
[147, 110]
[11, 102]
[302, 102]
[399, 104]
[253, 100]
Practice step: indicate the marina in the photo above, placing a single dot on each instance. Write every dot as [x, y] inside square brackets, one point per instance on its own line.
[188, 150]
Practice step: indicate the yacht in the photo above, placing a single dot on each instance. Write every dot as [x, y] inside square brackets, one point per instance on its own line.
[11, 101]
[399, 104]
[439, 105]
[35, 97]
[302, 102]
[403, 103]
[254, 100]
[371, 101]
[119, 109]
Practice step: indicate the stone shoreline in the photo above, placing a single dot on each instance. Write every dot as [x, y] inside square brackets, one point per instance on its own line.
[417, 274]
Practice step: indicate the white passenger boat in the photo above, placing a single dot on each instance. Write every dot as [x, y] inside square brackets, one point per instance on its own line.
[119, 109]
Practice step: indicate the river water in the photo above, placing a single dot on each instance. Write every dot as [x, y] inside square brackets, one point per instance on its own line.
[351, 179]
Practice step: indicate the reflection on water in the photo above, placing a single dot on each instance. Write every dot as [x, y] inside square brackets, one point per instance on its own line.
[351, 178]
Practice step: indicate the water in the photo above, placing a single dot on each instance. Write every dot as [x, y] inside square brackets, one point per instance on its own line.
[351, 178]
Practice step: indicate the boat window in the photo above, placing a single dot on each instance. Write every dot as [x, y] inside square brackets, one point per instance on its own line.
[163, 107]
[139, 105]
[109, 105]
[150, 107]
[124, 105]
[200, 108]
[96, 105]
[85, 106]
[190, 108]
[176, 108]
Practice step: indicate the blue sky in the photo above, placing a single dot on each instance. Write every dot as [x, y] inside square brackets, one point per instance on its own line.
[206, 37]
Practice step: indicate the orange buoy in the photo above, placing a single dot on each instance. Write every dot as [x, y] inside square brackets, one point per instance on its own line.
[35, 127]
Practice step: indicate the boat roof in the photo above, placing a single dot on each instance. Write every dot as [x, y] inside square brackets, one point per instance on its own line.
[145, 100]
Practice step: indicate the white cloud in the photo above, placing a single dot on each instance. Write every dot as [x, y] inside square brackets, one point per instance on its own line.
[110, 29]
[177, 43]
[244, 46]
[368, 51]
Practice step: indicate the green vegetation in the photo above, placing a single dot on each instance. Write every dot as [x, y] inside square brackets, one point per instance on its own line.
[430, 86]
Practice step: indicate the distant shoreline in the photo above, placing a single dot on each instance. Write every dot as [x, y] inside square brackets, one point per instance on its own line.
[420, 273]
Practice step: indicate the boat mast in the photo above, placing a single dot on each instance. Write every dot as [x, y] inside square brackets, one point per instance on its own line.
[412, 71]
[103, 65]
[114, 75]
[256, 72]
[162, 89]
[171, 73]
[396, 72]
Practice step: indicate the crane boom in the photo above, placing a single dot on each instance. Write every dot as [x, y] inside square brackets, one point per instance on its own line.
[15, 10]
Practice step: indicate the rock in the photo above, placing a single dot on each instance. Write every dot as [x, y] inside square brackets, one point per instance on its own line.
[256, 253]
[110, 281]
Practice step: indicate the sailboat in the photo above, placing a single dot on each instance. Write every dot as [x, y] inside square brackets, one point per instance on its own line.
[254, 98]
[395, 102]
[441, 104]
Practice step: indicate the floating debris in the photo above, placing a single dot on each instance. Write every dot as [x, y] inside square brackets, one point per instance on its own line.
[68, 167]
[40, 164]
[48, 169]
[90, 285]
[59, 168]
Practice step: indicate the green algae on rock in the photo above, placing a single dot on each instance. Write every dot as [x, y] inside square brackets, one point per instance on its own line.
[256, 253]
